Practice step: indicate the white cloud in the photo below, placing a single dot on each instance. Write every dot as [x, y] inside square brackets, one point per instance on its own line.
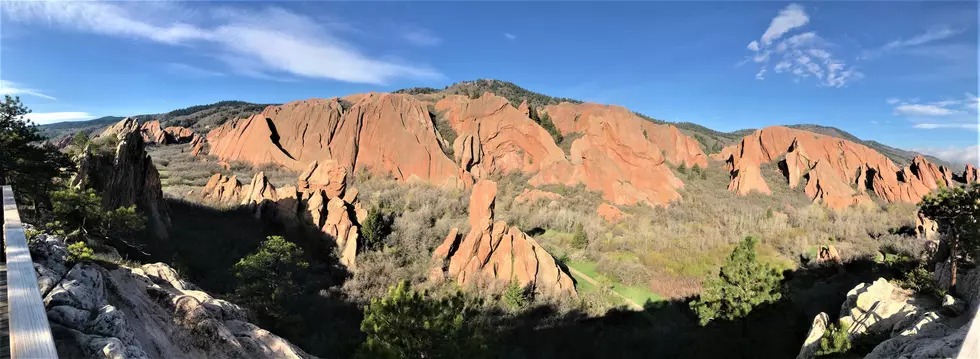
[932, 126]
[510, 36]
[13, 89]
[761, 74]
[933, 34]
[923, 110]
[191, 71]
[892, 101]
[421, 37]
[957, 155]
[52, 117]
[262, 43]
[801, 55]
[789, 18]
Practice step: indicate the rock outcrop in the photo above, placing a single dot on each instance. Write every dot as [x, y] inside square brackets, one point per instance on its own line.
[925, 228]
[222, 189]
[496, 137]
[613, 156]
[388, 134]
[177, 134]
[838, 163]
[970, 174]
[611, 214]
[916, 327]
[495, 251]
[812, 341]
[154, 134]
[145, 312]
[197, 145]
[127, 178]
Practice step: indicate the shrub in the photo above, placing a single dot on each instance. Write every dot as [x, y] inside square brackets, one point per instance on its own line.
[921, 280]
[270, 277]
[955, 211]
[516, 296]
[742, 284]
[681, 168]
[81, 211]
[580, 240]
[835, 340]
[376, 228]
[78, 252]
[409, 324]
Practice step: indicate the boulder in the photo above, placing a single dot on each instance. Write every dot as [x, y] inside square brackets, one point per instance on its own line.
[222, 189]
[532, 195]
[610, 213]
[152, 133]
[197, 145]
[267, 202]
[953, 306]
[970, 174]
[178, 134]
[812, 341]
[498, 252]
[328, 177]
[925, 228]
[879, 308]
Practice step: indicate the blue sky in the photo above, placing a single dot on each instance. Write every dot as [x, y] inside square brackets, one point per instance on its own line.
[902, 73]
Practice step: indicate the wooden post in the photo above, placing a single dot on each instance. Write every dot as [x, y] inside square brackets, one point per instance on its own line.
[30, 334]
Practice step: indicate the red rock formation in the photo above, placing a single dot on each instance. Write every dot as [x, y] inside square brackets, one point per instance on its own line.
[970, 174]
[925, 228]
[498, 252]
[152, 133]
[265, 201]
[532, 195]
[495, 137]
[197, 145]
[610, 213]
[384, 133]
[613, 156]
[825, 187]
[845, 163]
[178, 134]
[224, 189]
[329, 177]
[677, 147]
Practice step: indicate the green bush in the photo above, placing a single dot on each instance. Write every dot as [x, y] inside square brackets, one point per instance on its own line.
[81, 211]
[580, 240]
[409, 324]
[516, 296]
[742, 284]
[921, 280]
[376, 228]
[269, 278]
[835, 340]
[78, 252]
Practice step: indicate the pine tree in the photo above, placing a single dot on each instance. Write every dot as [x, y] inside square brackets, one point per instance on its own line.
[742, 284]
[956, 210]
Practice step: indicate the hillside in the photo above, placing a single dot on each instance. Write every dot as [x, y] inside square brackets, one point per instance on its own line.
[56, 130]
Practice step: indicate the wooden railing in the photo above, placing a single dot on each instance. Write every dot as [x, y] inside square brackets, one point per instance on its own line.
[30, 334]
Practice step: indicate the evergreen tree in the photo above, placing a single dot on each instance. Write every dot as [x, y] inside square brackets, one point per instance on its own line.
[579, 239]
[270, 278]
[409, 324]
[956, 210]
[742, 284]
[27, 164]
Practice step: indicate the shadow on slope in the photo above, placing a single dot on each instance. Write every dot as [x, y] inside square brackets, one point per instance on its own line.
[776, 330]
[208, 242]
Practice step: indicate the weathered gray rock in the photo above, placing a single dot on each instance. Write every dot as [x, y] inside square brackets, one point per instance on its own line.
[69, 316]
[877, 308]
[928, 337]
[49, 262]
[812, 341]
[81, 288]
[954, 306]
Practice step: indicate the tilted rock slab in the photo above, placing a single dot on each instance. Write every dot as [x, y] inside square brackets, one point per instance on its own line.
[844, 163]
[494, 250]
[384, 133]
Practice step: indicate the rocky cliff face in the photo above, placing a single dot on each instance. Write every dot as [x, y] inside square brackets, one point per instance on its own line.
[145, 312]
[127, 178]
[496, 251]
[837, 172]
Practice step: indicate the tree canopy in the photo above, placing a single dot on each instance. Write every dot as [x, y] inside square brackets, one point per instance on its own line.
[271, 277]
[742, 284]
[955, 211]
[409, 324]
[26, 163]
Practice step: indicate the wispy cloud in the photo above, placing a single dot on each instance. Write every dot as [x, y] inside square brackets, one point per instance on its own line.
[800, 56]
[510, 36]
[941, 114]
[421, 37]
[957, 155]
[186, 70]
[260, 42]
[13, 89]
[933, 34]
[53, 117]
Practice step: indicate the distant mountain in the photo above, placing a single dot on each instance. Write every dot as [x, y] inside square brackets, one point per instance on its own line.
[200, 118]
